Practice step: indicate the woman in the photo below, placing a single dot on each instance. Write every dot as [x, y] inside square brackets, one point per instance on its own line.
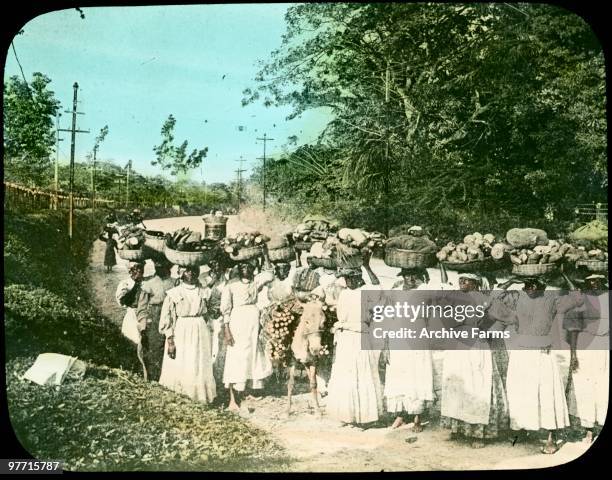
[589, 332]
[110, 260]
[474, 402]
[245, 358]
[409, 374]
[187, 364]
[354, 390]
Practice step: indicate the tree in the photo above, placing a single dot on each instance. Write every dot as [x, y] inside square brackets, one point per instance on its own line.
[29, 136]
[175, 158]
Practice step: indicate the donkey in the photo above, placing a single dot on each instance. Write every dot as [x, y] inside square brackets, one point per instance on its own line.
[305, 348]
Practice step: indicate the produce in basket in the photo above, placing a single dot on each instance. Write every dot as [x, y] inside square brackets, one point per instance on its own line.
[595, 233]
[475, 247]
[358, 238]
[132, 238]
[184, 240]
[526, 237]
[421, 244]
[554, 252]
[313, 228]
[243, 240]
[280, 321]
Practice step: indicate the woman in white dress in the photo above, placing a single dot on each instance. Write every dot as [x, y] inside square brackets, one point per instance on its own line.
[354, 389]
[589, 338]
[245, 357]
[409, 373]
[187, 365]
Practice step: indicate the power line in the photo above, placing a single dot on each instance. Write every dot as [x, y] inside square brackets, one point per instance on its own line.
[20, 68]
[265, 139]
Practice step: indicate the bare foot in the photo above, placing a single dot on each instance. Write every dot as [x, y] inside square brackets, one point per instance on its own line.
[233, 407]
[417, 427]
[589, 437]
[399, 421]
[549, 448]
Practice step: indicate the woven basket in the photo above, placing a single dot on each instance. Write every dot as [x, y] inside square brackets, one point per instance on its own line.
[214, 220]
[247, 253]
[486, 265]
[282, 254]
[593, 265]
[533, 269]
[396, 257]
[349, 261]
[301, 245]
[325, 262]
[154, 243]
[132, 255]
[188, 259]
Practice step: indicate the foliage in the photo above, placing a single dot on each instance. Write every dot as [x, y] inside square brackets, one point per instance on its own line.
[112, 420]
[29, 111]
[175, 158]
[454, 112]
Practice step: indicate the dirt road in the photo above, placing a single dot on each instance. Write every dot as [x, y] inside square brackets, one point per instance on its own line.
[322, 444]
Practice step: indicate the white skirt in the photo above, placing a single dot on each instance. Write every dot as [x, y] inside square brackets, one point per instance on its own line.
[354, 389]
[408, 381]
[536, 396]
[467, 382]
[245, 360]
[588, 398]
[190, 373]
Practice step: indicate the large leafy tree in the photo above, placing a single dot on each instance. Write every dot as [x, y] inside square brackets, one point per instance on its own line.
[29, 130]
[475, 109]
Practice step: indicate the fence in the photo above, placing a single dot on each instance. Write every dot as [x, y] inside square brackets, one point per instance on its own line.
[18, 197]
[591, 211]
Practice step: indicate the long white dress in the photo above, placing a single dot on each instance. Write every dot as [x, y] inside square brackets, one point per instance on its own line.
[589, 392]
[246, 359]
[183, 316]
[536, 395]
[355, 391]
[409, 377]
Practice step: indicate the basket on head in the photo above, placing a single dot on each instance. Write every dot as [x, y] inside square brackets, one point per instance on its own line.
[325, 262]
[247, 253]
[132, 255]
[397, 257]
[282, 254]
[593, 265]
[533, 269]
[188, 259]
[215, 227]
[486, 265]
[350, 258]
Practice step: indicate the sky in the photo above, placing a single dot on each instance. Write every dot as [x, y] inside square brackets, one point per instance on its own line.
[137, 65]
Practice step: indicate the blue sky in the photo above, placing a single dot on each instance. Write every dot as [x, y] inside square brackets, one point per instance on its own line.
[137, 65]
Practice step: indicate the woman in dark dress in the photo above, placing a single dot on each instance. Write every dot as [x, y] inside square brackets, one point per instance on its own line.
[109, 253]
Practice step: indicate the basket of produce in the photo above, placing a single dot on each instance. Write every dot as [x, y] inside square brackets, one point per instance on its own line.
[215, 226]
[188, 249]
[476, 252]
[155, 241]
[313, 228]
[595, 233]
[133, 255]
[533, 269]
[244, 246]
[280, 321]
[281, 254]
[413, 250]
[593, 265]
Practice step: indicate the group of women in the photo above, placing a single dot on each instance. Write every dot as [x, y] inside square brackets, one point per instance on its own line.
[212, 326]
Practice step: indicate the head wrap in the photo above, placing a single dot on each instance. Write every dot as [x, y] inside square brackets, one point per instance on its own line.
[595, 276]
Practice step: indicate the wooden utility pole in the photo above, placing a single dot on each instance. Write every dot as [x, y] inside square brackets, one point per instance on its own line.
[56, 176]
[73, 131]
[239, 180]
[264, 139]
[127, 184]
[93, 180]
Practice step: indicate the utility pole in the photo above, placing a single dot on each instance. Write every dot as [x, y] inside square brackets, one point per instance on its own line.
[127, 184]
[264, 139]
[93, 180]
[73, 131]
[239, 180]
[56, 176]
